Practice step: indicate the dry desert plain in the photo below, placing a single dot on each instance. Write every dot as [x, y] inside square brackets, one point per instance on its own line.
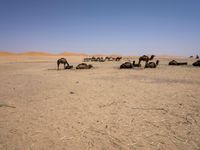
[103, 108]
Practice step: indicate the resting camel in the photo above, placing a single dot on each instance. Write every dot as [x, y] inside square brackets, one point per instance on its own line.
[93, 59]
[136, 65]
[197, 63]
[126, 65]
[87, 59]
[109, 58]
[69, 67]
[174, 62]
[62, 61]
[84, 66]
[145, 58]
[102, 60]
[152, 64]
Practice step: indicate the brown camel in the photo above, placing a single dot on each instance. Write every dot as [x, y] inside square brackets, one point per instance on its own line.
[62, 61]
[87, 59]
[152, 64]
[83, 66]
[118, 58]
[145, 58]
[109, 59]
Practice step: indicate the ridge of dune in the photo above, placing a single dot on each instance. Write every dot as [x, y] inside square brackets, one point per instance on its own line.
[71, 54]
[2, 53]
[33, 53]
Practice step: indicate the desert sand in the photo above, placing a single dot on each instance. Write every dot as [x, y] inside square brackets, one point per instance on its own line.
[103, 108]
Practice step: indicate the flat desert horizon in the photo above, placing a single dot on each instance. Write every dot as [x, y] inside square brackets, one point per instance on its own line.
[100, 108]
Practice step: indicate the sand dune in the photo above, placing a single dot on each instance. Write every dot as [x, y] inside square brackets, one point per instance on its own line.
[6, 53]
[32, 53]
[37, 53]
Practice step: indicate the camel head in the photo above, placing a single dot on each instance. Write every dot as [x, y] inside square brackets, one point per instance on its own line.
[90, 66]
[152, 56]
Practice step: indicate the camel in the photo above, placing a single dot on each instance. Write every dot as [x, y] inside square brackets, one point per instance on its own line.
[118, 58]
[197, 57]
[173, 62]
[145, 58]
[62, 61]
[152, 64]
[83, 66]
[69, 67]
[109, 58]
[93, 59]
[87, 59]
[126, 65]
[102, 60]
[197, 63]
[136, 65]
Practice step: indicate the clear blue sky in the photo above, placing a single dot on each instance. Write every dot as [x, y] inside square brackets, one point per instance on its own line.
[130, 27]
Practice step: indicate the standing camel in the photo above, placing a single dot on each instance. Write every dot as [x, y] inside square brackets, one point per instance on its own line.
[62, 61]
[145, 58]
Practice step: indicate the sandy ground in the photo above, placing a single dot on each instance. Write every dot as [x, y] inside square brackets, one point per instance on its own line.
[103, 108]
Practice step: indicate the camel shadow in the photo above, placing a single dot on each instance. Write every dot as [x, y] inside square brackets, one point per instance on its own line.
[55, 69]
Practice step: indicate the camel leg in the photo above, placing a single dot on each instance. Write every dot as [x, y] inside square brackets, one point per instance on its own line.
[139, 62]
[58, 66]
[146, 63]
[64, 65]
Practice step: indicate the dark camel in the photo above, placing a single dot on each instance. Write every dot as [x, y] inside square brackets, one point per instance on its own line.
[126, 65]
[145, 58]
[197, 57]
[197, 63]
[175, 63]
[84, 66]
[136, 65]
[152, 64]
[69, 67]
[62, 61]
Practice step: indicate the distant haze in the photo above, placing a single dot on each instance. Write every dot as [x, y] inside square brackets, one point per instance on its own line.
[129, 27]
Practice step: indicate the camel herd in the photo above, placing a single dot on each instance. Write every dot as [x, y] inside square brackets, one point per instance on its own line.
[101, 59]
[64, 62]
[145, 58]
[126, 65]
